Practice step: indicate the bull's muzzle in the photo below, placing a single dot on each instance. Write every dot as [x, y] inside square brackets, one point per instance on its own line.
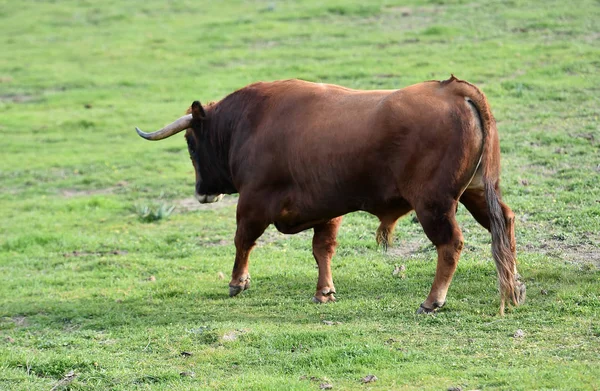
[208, 198]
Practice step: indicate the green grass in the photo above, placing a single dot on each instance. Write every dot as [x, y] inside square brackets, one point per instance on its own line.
[87, 285]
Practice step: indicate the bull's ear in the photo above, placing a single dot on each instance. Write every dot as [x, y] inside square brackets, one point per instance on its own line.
[197, 110]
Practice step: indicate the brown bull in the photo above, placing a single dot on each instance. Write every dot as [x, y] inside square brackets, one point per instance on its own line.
[301, 155]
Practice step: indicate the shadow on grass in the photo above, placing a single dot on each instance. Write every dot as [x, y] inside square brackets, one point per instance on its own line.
[274, 299]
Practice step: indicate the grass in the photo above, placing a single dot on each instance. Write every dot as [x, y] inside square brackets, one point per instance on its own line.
[87, 286]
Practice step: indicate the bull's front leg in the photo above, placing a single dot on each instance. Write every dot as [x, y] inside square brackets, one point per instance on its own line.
[324, 245]
[248, 231]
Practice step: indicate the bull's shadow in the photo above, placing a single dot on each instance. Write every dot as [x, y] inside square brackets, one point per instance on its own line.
[366, 290]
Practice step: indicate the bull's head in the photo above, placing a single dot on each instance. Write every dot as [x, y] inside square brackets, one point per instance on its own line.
[188, 122]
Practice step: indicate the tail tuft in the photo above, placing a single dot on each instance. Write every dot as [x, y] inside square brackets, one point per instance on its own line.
[385, 236]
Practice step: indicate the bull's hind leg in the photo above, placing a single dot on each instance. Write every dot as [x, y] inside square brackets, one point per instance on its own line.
[324, 245]
[474, 200]
[248, 231]
[441, 228]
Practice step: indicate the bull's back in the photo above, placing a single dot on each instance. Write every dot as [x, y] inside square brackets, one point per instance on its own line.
[328, 138]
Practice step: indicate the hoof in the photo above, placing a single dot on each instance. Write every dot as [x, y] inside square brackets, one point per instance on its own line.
[324, 296]
[234, 290]
[425, 310]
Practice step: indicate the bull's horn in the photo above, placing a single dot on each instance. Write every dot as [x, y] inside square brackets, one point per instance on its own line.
[169, 130]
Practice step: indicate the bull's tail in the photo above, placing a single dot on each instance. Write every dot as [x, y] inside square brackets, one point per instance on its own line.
[501, 218]
[502, 249]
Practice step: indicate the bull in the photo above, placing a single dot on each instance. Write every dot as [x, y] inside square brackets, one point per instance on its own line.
[301, 155]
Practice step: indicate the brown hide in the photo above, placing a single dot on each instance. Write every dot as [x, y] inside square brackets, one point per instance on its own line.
[320, 151]
[303, 154]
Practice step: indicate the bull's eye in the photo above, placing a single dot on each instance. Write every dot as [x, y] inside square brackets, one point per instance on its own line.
[190, 147]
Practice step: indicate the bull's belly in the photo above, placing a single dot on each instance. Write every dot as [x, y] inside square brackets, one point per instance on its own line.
[304, 212]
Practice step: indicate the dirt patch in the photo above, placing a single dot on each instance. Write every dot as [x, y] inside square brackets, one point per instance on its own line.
[19, 321]
[409, 249]
[69, 193]
[271, 236]
[78, 193]
[215, 242]
[17, 98]
[581, 254]
[191, 204]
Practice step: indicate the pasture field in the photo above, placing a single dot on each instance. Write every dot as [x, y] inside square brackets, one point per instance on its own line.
[99, 284]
